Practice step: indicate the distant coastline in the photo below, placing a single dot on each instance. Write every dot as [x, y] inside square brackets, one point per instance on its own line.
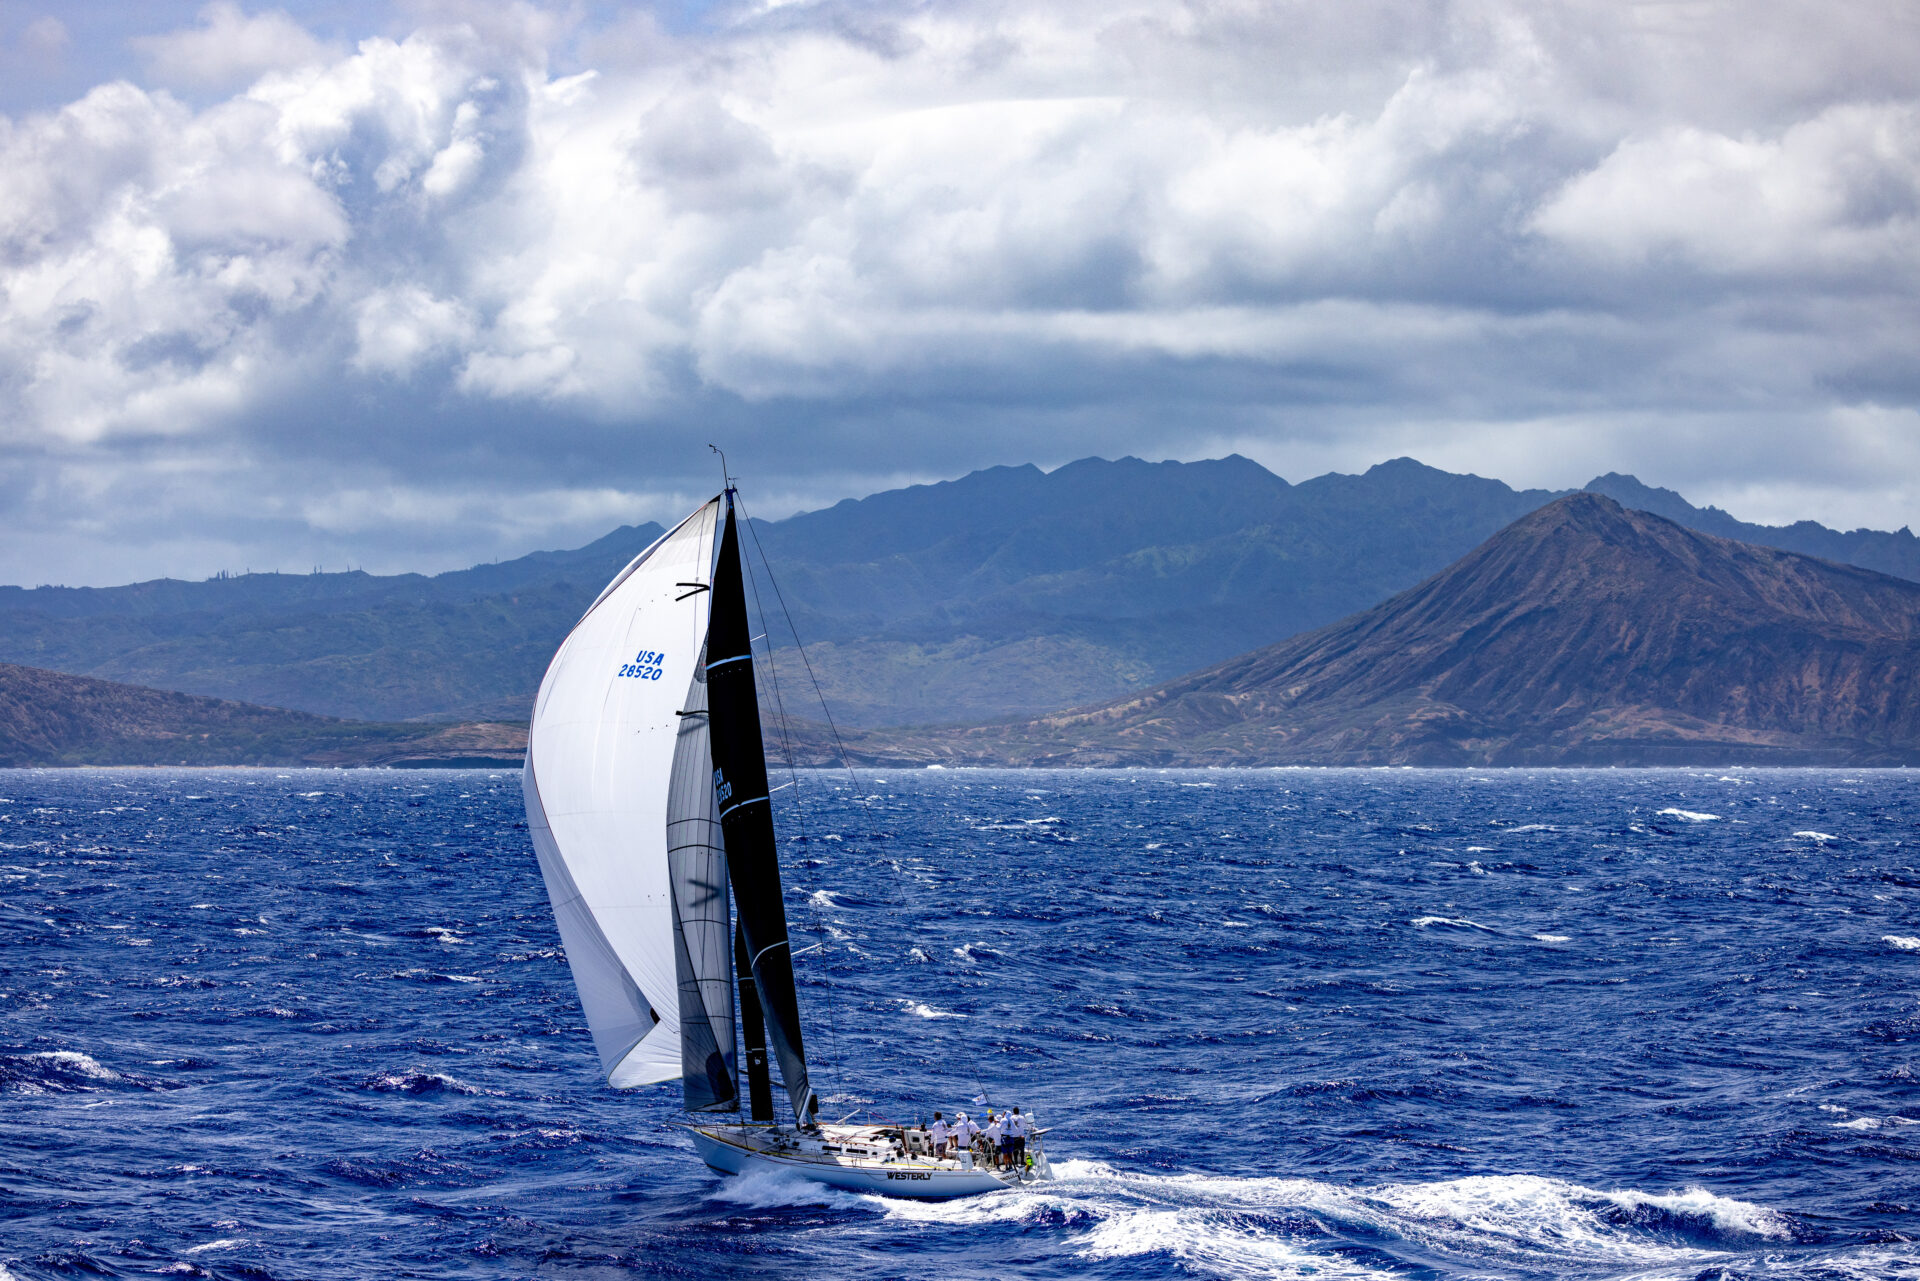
[1581, 632]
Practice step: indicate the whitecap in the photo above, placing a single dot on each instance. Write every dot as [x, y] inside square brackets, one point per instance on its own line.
[918, 956]
[1553, 938]
[822, 898]
[1690, 816]
[1875, 1123]
[1451, 922]
[926, 1011]
[1213, 1224]
[1822, 837]
[766, 1189]
[224, 1243]
[1905, 942]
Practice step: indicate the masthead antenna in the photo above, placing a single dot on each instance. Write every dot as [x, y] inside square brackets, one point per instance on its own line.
[725, 475]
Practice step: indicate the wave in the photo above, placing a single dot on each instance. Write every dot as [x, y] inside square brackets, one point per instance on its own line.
[1822, 837]
[1483, 1225]
[1904, 942]
[56, 1071]
[926, 1011]
[1690, 816]
[1449, 922]
[419, 1083]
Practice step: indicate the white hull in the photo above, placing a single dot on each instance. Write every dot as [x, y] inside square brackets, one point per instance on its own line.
[842, 1156]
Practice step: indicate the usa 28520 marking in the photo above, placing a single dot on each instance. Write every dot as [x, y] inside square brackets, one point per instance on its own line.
[645, 665]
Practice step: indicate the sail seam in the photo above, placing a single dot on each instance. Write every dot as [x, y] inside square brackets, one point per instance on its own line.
[737, 658]
[755, 963]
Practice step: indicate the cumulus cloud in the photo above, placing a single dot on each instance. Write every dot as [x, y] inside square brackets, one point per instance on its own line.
[229, 48]
[504, 259]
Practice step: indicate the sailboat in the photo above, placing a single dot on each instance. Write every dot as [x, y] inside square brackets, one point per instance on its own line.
[649, 808]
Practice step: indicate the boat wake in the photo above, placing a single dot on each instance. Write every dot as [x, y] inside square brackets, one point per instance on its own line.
[1502, 1225]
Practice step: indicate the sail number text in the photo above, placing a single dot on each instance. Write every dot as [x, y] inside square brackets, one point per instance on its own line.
[645, 666]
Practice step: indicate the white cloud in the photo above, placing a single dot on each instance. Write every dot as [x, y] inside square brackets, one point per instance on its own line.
[1837, 193]
[229, 49]
[881, 243]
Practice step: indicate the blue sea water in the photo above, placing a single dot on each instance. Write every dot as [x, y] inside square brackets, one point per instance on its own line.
[1286, 1023]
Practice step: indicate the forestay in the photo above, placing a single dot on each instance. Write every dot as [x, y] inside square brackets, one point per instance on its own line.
[599, 762]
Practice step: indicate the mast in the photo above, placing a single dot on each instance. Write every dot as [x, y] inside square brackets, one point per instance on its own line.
[746, 816]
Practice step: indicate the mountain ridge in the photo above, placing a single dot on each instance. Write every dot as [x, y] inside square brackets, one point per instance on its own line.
[1584, 633]
[1003, 593]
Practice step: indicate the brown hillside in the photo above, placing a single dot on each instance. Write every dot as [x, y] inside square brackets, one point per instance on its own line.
[1583, 633]
[50, 718]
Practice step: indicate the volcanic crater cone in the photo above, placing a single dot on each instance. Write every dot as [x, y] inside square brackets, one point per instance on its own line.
[1581, 634]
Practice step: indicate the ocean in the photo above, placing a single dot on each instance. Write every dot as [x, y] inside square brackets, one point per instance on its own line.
[1278, 1023]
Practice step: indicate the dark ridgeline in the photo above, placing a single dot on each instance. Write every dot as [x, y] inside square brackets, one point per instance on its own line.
[1009, 592]
[1582, 634]
[746, 816]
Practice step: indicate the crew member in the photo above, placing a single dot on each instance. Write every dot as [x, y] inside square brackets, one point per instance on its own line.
[995, 1135]
[939, 1132]
[965, 1132]
[1021, 1127]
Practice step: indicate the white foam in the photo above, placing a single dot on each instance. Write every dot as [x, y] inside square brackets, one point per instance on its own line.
[1452, 922]
[74, 1062]
[224, 1243]
[1905, 942]
[1875, 1123]
[765, 1189]
[926, 1011]
[1691, 816]
[918, 956]
[1822, 837]
[1553, 938]
[1219, 1226]
[822, 899]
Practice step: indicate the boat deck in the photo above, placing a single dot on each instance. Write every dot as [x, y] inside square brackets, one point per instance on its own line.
[868, 1157]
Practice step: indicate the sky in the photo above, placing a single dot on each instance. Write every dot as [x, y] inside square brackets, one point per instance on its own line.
[417, 286]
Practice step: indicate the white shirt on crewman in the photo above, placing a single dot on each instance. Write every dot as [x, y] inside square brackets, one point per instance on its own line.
[939, 1133]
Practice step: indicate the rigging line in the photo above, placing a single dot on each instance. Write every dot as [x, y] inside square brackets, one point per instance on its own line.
[846, 759]
[786, 745]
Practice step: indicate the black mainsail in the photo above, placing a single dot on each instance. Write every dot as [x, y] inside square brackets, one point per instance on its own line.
[746, 816]
[702, 922]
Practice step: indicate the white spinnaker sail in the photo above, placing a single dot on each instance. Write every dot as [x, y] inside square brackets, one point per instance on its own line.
[599, 755]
